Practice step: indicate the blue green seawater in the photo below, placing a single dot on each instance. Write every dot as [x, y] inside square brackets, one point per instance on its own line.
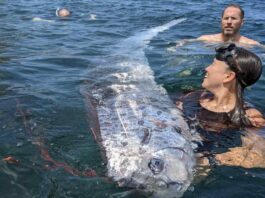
[45, 62]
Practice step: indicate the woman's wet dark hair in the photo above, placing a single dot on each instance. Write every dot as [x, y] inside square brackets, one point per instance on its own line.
[248, 69]
[246, 65]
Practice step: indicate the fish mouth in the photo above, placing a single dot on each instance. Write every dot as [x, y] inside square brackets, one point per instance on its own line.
[159, 184]
[162, 184]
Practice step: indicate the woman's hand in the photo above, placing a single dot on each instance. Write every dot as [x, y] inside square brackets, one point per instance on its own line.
[255, 117]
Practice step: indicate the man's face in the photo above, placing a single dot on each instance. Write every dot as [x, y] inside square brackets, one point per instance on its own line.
[231, 21]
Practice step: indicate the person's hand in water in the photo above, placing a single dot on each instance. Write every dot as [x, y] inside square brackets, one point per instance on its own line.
[255, 117]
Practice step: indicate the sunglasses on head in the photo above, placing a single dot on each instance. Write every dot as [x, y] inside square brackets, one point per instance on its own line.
[226, 53]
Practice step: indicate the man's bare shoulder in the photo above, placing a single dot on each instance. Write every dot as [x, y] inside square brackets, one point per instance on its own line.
[219, 38]
[211, 38]
[248, 41]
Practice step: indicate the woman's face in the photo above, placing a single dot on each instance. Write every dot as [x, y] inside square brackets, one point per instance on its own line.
[216, 73]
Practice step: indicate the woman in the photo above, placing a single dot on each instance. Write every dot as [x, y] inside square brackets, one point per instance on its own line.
[219, 111]
[226, 78]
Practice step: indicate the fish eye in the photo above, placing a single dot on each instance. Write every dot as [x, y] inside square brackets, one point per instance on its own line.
[156, 165]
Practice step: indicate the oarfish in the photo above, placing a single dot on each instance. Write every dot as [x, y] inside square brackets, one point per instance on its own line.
[142, 133]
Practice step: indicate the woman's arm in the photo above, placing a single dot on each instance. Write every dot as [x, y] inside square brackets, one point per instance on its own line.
[250, 155]
[252, 152]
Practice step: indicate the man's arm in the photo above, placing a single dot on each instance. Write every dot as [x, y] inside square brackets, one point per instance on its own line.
[218, 38]
[203, 38]
[210, 38]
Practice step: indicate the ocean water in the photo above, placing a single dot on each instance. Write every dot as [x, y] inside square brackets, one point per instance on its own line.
[46, 63]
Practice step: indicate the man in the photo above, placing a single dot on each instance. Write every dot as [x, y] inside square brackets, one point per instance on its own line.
[232, 20]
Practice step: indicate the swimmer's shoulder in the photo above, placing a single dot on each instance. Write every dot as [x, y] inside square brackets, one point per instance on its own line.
[211, 37]
[248, 41]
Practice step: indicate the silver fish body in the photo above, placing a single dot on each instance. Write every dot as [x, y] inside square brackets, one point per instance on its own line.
[143, 141]
[143, 134]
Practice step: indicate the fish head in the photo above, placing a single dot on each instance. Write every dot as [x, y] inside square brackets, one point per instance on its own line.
[167, 172]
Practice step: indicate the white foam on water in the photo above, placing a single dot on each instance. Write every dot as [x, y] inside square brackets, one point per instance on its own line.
[39, 19]
[92, 17]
